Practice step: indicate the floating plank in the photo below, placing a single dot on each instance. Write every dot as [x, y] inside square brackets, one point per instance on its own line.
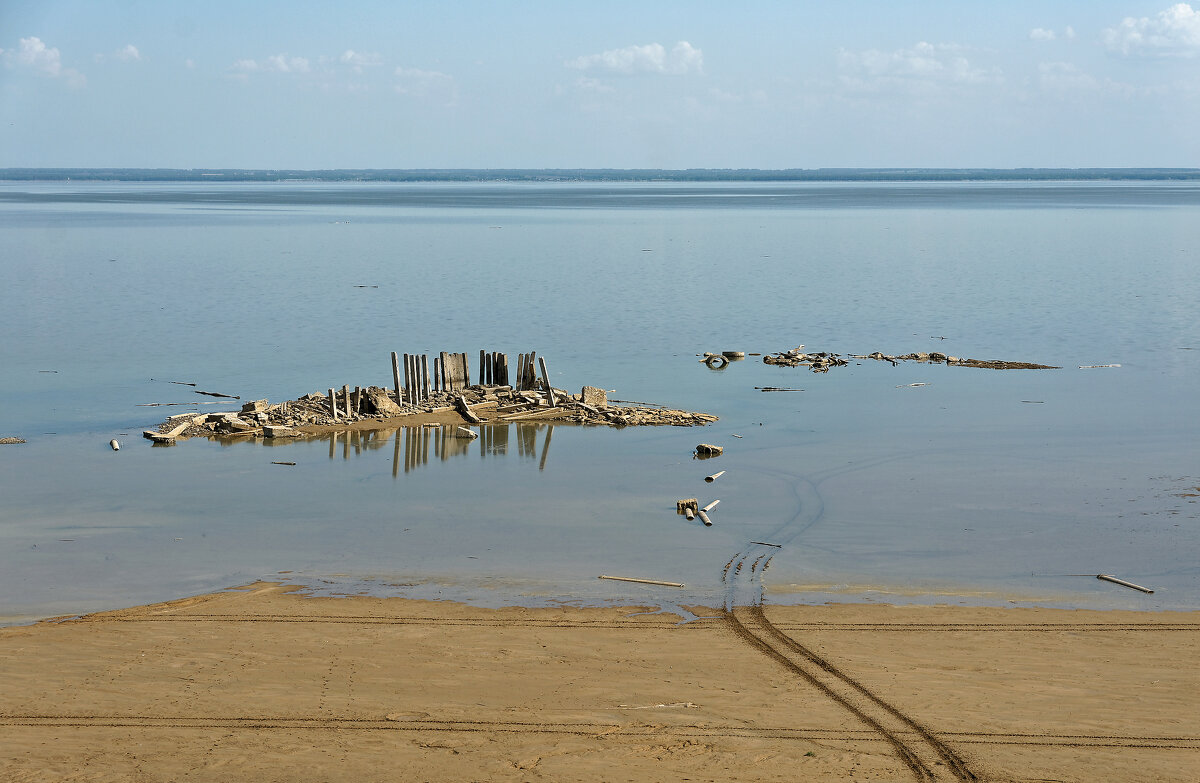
[1123, 583]
[641, 581]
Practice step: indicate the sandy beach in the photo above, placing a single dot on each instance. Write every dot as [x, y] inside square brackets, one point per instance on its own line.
[262, 683]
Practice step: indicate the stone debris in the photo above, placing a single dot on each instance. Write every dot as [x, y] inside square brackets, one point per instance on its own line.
[821, 361]
[487, 403]
[709, 450]
[11, 441]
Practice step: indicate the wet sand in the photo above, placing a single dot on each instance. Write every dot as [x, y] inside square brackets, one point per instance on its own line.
[263, 684]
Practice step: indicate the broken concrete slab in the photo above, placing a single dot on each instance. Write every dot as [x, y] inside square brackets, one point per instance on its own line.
[593, 396]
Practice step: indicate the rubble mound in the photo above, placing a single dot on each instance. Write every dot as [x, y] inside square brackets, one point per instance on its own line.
[821, 361]
[362, 407]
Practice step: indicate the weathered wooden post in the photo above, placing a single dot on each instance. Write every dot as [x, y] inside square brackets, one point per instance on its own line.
[396, 375]
[407, 380]
[546, 382]
[333, 403]
[424, 376]
[346, 398]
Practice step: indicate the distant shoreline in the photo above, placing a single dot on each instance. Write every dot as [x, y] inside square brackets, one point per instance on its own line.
[599, 175]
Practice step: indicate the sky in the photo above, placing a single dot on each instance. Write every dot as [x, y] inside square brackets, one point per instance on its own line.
[645, 84]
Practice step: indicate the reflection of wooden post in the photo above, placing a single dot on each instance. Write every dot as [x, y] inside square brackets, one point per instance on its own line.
[546, 382]
[333, 403]
[396, 454]
[546, 447]
[396, 374]
[332, 444]
[424, 376]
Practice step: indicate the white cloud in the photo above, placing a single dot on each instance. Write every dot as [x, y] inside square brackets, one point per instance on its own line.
[588, 84]
[33, 54]
[128, 52]
[281, 63]
[1174, 32]
[277, 63]
[650, 58]
[359, 60]
[1042, 34]
[923, 65]
[419, 83]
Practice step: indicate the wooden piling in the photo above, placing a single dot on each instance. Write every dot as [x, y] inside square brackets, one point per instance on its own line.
[346, 398]
[407, 380]
[333, 403]
[424, 376]
[546, 382]
[396, 374]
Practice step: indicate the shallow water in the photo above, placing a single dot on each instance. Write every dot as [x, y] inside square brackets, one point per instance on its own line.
[971, 488]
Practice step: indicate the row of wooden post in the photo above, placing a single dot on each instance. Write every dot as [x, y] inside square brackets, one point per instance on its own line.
[414, 383]
[493, 368]
[350, 402]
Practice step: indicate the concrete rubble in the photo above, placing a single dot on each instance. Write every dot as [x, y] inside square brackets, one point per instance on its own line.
[821, 361]
[488, 403]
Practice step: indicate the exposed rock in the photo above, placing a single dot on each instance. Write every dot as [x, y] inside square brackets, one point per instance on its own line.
[596, 398]
[822, 361]
[379, 402]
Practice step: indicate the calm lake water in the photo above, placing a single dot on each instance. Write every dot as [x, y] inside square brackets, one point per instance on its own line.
[978, 487]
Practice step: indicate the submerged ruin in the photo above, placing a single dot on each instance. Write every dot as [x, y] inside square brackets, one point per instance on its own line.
[446, 396]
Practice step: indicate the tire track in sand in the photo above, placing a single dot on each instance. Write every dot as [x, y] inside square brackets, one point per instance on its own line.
[928, 757]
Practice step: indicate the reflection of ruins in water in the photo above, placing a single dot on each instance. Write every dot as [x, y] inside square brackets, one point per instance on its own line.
[413, 446]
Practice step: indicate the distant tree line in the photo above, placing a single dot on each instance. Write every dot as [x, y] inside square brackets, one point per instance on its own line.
[592, 175]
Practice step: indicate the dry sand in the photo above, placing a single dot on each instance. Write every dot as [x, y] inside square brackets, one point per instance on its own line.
[262, 684]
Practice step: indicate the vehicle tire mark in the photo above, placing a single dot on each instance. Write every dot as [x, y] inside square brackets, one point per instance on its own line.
[917, 747]
[582, 728]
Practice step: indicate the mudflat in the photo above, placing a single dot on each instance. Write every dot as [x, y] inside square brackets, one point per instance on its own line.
[264, 684]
